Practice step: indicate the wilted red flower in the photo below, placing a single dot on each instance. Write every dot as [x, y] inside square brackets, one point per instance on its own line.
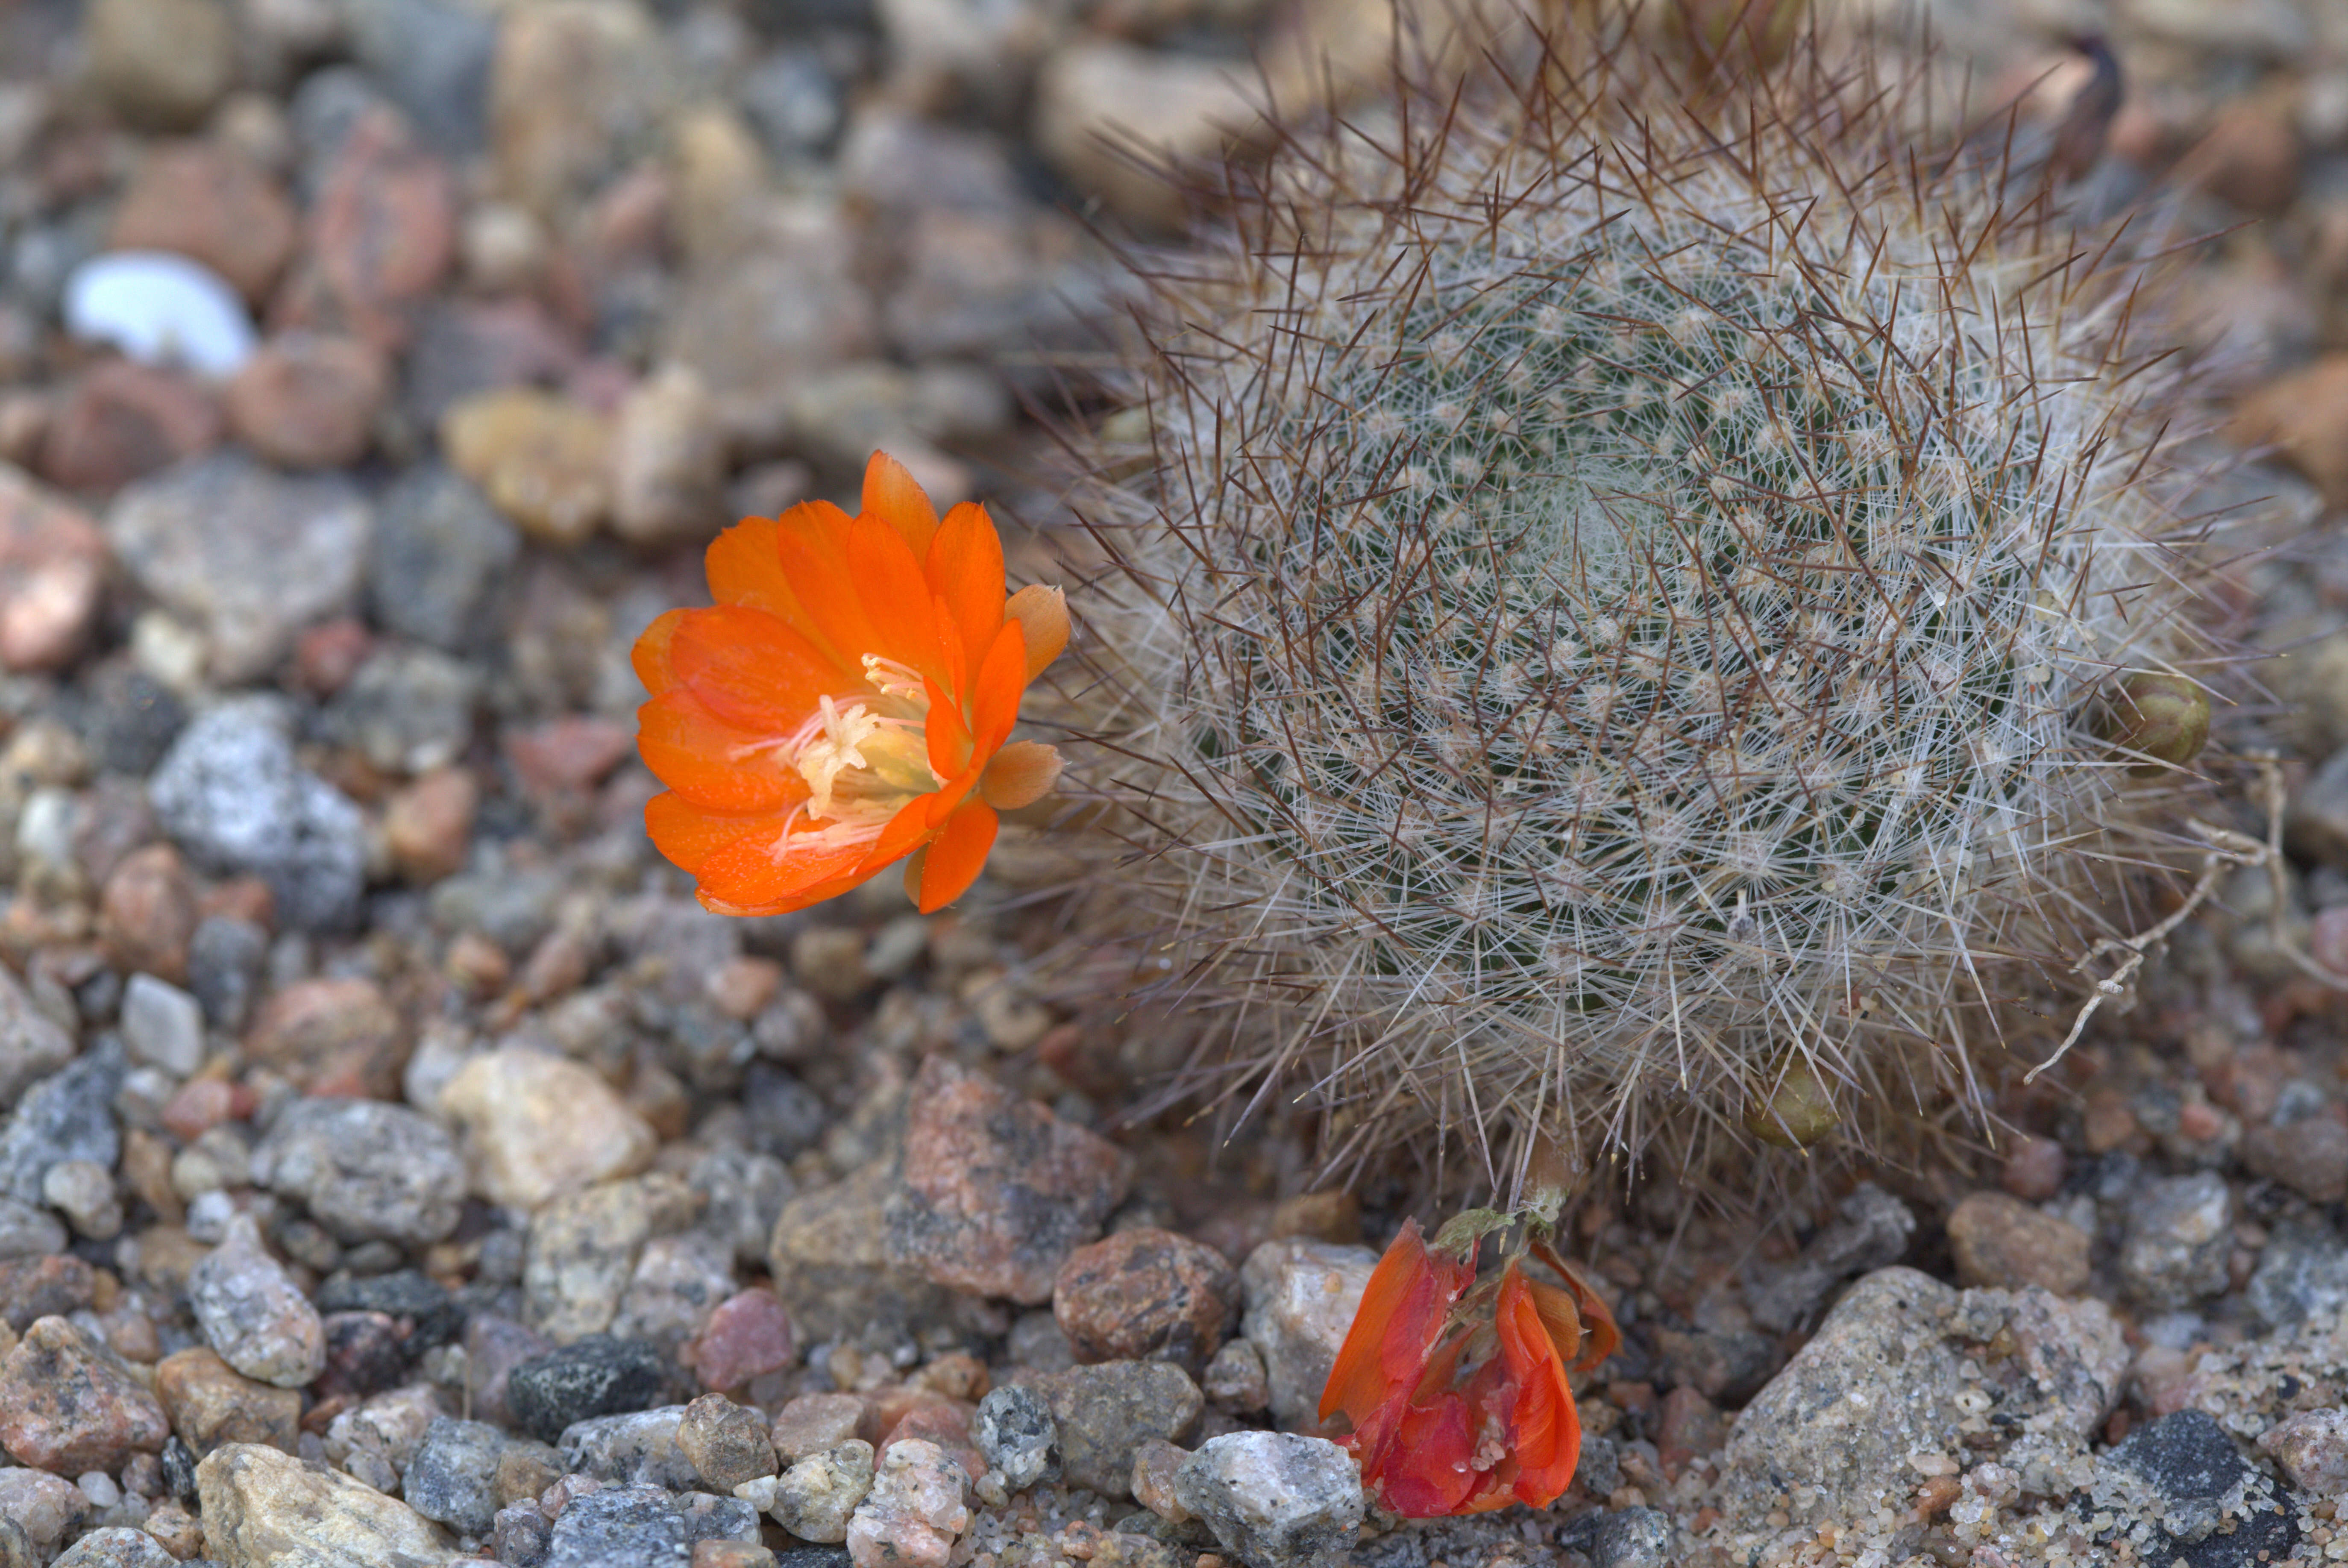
[846, 702]
[1461, 1405]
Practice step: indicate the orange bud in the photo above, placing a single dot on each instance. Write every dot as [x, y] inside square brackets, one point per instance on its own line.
[1021, 774]
[1043, 616]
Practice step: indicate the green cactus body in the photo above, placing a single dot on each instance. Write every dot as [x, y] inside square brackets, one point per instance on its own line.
[1615, 609]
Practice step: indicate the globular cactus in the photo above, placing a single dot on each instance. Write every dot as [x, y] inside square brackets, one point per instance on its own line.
[1633, 606]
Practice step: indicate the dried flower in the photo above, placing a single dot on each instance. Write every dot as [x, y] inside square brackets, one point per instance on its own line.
[846, 704]
[1457, 1390]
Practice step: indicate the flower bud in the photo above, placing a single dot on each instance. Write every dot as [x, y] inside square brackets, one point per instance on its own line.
[2163, 719]
[1798, 1111]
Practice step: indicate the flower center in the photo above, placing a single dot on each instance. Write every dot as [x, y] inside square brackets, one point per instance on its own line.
[862, 757]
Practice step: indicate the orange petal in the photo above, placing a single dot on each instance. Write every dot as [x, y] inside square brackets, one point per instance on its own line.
[688, 835]
[947, 737]
[710, 763]
[1395, 1326]
[1545, 1430]
[896, 596]
[1002, 682]
[1427, 1471]
[654, 655]
[811, 542]
[892, 496]
[745, 568]
[907, 831]
[957, 857]
[752, 671]
[1600, 1335]
[748, 872]
[1020, 775]
[1042, 613]
[964, 567]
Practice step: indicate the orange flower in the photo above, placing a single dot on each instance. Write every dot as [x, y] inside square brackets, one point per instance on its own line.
[845, 704]
[1453, 1412]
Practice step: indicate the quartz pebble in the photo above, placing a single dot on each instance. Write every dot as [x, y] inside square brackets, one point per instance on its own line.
[160, 309]
[163, 1025]
[726, 1444]
[539, 1126]
[913, 1512]
[1301, 1297]
[1275, 1500]
[211, 1404]
[816, 1496]
[253, 1314]
[261, 1506]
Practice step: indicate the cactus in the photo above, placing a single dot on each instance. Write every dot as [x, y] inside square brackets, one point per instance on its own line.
[1622, 610]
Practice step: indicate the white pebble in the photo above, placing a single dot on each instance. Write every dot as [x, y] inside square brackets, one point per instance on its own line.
[160, 309]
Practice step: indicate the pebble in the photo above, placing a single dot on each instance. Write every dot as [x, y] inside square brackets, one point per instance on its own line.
[248, 554]
[2304, 414]
[2210, 1507]
[2179, 1232]
[995, 1191]
[2309, 1155]
[2310, 1448]
[376, 1442]
[211, 1404]
[915, 1511]
[625, 1526]
[428, 825]
[33, 1288]
[726, 1444]
[432, 57]
[811, 1423]
[1626, 1538]
[117, 1546]
[817, 1498]
[543, 462]
[2033, 1168]
[27, 1232]
[336, 1037]
[68, 1406]
[1092, 98]
[162, 1025]
[675, 1289]
[2004, 1244]
[536, 1127]
[119, 421]
[452, 1477]
[212, 203]
[1015, 1430]
[53, 564]
[1235, 1378]
[1275, 1500]
[2303, 1274]
[365, 1170]
[41, 1505]
[68, 1115]
[572, 85]
[633, 1448]
[747, 1335]
[251, 1311]
[263, 1509]
[1104, 1413]
[493, 1347]
[1156, 1466]
[160, 309]
[160, 63]
[407, 709]
[1146, 1294]
[1301, 1298]
[1871, 1230]
[231, 793]
[366, 1353]
[382, 234]
[745, 1191]
[309, 400]
[32, 1043]
[668, 461]
[583, 1247]
[789, 306]
[440, 558]
[147, 917]
[83, 1191]
[598, 1376]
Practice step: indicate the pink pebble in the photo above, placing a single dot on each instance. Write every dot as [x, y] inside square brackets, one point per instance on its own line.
[748, 1335]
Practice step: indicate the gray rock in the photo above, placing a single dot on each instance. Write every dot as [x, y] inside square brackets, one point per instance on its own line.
[232, 796]
[440, 556]
[1624, 1538]
[453, 1478]
[407, 709]
[129, 720]
[521, 1536]
[1274, 1499]
[1014, 1430]
[365, 1169]
[248, 554]
[2303, 1273]
[1235, 1378]
[793, 102]
[620, 1527]
[32, 1043]
[224, 962]
[163, 1026]
[745, 1192]
[69, 1115]
[116, 1546]
[1105, 1413]
[2179, 1232]
[678, 1282]
[2179, 1489]
[638, 1448]
[252, 1314]
[27, 1232]
[2311, 1448]
[1871, 1231]
[432, 57]
[1301, 1297]
[726, 1444]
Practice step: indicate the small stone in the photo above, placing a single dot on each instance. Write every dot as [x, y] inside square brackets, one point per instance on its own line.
[366, 1353]
[1156, 1465]
[27, 1232]
[2005, 1244]
[2305, 415]
[334, 1037]
[2179, 1233]
[1146, 1294]
[996, 1192]
[160, 310]
[407, 709]
[915, 1512]
[429, 825]
[748, 1335]
[2033, 1169]
[117, 1546]
[441, 554]
[83, 1191]
[367, 1170]
[598, 1376]
[539, 1126]
[522, 1536]
[2202, 1488]
[32, 1043]
[2309, 1156]
[571, 85]
[52, 569]
[1629, 1538]
[675, 1290]
[727, 1443]
[1015, 1430]
[253, 1314]
[1301, 1299]
[633, 1448]
[262, 1507]
[745, 1191]
[35, 1288]
[382, 235]
[1104, 1413]
[378, 1440]
[2251, 157]
[452, 1478]
[120, 421]
[817, 1498]
[1872, 1228]
[231, 793]
[583, 1247]
[1275, 1500]
[1235, 1378]
[69, 1115]
[163, 1025]
[624, 1524]
[211, 1404]
[309, 400]
[732, 1554]
[212, 203]
[1091, 97]
[160, 63]
[494, 1346]
[43, 1507]
[668, 461]
[789, 307]
[541, 461]
[811, 1423]
[148, 919]
[2310, 1446]
[68, 1406]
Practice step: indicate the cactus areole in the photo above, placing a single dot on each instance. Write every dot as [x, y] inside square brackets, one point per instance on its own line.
[1623, 604]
